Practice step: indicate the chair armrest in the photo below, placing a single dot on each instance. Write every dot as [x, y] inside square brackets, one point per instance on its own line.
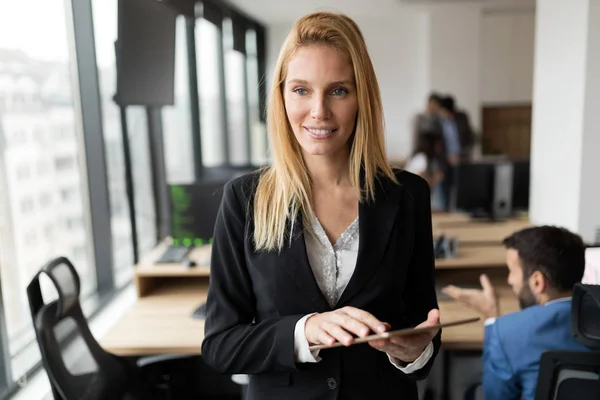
[474, 392]
[151, 360]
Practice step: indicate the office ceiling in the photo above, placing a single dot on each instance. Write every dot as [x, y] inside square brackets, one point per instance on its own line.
[274, 11]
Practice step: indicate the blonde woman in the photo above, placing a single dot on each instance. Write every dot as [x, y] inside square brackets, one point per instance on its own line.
[327, 244]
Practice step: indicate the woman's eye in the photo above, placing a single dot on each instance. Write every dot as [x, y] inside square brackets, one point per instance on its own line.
[339, 92]
[300, 91]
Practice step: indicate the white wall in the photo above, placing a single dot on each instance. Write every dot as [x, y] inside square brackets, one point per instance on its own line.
[507, 48]
[454, 55]
[397, 57]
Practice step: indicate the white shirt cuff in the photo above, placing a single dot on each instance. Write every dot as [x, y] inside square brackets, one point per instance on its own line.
[489, 321]
[418, 363]
[302, 354]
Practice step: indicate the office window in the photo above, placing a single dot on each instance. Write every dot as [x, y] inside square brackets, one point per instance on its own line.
[26, 205]
[177, 119]
[105, 34]
[45, 200]
[64, 163]
[145, 215]
[17, 135]
[236, 104]
[30, 238]
[209, 77]
[23, 172]
[258, 132]
[41, 99]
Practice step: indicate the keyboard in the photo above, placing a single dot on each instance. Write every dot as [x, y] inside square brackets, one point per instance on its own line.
[200, 312]
[174, 254]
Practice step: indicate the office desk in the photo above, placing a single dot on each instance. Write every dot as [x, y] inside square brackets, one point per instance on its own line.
[149, 275]
[480, 233]
[485, 256]
[443, 218]
[160, 321]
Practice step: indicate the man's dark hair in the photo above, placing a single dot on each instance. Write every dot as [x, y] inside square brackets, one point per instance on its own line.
[447, 103]
[435, 97]
[556, 252]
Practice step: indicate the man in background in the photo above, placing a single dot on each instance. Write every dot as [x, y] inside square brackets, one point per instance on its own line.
[544, 263]
[428, 121]
[452, 148]
[466, 135]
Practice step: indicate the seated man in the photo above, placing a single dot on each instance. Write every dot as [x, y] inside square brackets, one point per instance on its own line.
[543, 263]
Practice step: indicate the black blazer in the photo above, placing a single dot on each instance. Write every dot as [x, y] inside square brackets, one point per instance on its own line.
[256, 298]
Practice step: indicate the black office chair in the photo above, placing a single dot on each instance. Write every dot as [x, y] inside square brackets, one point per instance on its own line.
[62, 332]
[575, 375]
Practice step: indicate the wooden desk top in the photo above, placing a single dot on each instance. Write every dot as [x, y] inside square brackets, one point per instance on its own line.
[441, 218]
[476, 233]
[160, 323]
[475, 257]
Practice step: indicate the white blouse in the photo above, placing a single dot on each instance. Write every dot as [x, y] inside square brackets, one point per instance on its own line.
[333, 266]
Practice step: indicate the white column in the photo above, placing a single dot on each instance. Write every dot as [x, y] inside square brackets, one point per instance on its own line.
[565, 156]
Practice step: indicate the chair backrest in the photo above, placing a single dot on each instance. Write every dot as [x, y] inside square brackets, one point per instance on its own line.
[569, 375]
[77, 367]
[585, 315]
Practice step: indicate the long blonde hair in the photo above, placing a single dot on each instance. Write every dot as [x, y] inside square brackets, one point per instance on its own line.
[284, 189]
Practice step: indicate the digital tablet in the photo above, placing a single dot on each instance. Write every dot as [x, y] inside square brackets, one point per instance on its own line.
[399, 332]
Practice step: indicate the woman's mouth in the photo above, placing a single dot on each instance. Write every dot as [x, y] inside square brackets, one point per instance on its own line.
[320, 133]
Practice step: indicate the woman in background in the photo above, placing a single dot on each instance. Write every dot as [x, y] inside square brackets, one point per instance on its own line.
[427, 158]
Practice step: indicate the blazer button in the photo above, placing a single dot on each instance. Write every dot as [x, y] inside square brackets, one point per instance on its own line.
[331, 383]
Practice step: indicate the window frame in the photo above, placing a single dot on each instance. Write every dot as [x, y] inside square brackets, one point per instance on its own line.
[216, 12]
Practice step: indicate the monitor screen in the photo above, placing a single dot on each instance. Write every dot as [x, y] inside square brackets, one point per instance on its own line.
[475, 188]
[194, 209]
[591, 276]
[520, 190]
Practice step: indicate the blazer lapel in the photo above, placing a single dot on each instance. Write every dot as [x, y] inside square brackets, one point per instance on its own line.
[375, 222]
[295, 262]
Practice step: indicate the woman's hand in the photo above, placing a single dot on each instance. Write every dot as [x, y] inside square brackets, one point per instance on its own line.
[408, 348]
[339, 325]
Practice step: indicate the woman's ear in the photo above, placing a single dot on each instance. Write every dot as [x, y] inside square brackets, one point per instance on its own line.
[538, 283]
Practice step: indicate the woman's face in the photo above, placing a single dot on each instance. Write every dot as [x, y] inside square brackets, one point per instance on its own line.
[320, 99]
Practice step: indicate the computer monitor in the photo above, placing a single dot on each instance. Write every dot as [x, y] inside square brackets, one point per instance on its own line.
[194, 209]
[591, 275]
[475, 188]
[520, 192]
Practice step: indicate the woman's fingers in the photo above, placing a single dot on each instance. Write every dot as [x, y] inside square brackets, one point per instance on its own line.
[366, 318]
[338, 332]
[350, 324]
[342, 326]
[325, 338]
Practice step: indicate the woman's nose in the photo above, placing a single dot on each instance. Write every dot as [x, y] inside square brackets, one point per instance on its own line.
[320, 109]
